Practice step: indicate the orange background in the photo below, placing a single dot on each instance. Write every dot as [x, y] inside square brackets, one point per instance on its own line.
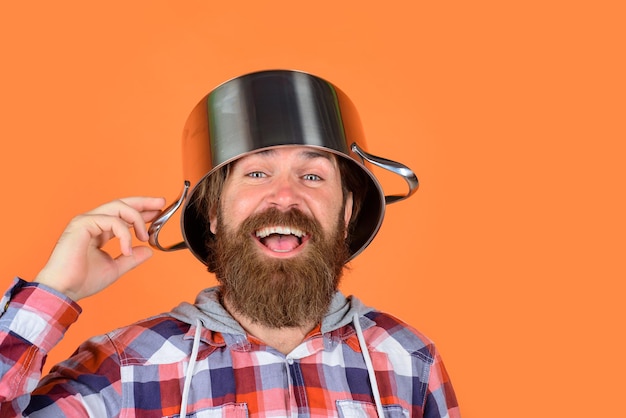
[511, 254]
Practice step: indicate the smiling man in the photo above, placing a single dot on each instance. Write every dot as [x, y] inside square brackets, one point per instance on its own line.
[286, 227]
[281, 201]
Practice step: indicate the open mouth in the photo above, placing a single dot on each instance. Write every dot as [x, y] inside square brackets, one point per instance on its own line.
[281, 239]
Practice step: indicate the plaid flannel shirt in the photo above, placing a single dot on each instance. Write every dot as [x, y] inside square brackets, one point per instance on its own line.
[139, 371]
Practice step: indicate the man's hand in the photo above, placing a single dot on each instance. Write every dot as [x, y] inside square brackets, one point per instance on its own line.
[78, 267]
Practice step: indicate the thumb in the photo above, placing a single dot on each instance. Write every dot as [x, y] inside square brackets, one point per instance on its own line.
[139, 255]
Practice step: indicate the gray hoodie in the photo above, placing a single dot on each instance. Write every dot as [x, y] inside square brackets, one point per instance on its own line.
[213, 316]
[207, 312]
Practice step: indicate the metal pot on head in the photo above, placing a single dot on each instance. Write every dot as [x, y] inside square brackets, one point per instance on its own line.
[269, 109]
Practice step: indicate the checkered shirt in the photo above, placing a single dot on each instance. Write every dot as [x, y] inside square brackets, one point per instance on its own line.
[139, 370]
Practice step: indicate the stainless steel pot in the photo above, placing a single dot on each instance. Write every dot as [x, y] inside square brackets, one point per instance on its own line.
[271, 109]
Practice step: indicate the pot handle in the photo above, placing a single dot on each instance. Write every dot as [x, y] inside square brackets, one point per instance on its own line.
[393, 166]
[167, 213]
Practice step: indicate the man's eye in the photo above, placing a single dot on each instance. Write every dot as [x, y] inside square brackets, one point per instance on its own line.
[311, 177]
[257, 174]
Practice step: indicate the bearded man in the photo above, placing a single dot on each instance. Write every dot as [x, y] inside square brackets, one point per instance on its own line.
[281, 201]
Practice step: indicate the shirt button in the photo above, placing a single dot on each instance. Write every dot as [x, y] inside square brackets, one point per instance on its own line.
[290, 360]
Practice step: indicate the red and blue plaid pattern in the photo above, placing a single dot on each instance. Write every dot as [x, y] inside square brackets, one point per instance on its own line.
[138, 371]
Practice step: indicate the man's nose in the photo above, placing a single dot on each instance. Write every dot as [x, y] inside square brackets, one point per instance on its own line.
[285, 193]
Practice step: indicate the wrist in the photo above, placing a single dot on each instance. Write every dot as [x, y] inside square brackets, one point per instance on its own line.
[44, 279]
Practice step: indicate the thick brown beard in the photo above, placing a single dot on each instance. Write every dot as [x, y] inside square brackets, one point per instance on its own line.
[280, 292]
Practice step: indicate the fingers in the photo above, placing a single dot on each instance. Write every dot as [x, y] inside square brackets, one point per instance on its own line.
[129, 262]
[143, 204]
[103, 228]
[138, 204]
[114, 219]
[79, 266]
[133, 211]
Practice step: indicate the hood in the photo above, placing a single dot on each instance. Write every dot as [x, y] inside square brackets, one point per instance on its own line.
[207, 312]
[213, 316]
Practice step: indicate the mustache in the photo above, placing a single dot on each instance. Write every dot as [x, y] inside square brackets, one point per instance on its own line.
[294, 218]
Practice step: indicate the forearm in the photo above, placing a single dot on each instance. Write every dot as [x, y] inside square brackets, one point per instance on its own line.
[32, 321]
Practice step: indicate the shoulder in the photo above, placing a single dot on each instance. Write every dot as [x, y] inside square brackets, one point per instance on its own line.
[151, 338]
[390, 334]
[159, 326]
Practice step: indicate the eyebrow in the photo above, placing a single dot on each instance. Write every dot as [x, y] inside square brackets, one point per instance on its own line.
[306, 154]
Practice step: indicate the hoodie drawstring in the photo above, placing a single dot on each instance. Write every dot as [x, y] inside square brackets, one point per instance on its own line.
[190, 367]
[359, 332]
[368, 364]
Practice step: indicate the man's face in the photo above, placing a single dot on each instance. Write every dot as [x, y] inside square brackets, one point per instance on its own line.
[285, 178]
[280, 232]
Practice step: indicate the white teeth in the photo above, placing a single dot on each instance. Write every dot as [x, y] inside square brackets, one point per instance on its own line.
[282, 230]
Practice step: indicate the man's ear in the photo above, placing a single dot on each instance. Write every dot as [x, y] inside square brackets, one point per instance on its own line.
[347, 211]
[213, 219]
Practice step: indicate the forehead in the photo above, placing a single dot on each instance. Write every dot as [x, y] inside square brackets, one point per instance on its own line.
[297, 153]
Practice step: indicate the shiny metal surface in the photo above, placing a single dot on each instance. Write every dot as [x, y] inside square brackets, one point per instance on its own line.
[400, 169]
[155, 227]
[271, 109]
